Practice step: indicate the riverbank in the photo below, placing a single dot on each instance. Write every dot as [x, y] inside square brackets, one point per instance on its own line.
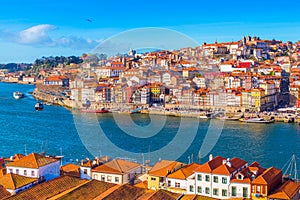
[53, 96]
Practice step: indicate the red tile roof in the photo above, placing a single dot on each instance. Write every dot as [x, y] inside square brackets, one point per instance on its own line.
[117, 166]
[33, 160]
[288, 190]
[211, 165]
[14, 181]
[165, 167]
[184, 172]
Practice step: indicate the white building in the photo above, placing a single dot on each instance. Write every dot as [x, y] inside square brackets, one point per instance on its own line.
[35, 166]
[177, 181]
[15, 183]
[117, 171]
[212, 179]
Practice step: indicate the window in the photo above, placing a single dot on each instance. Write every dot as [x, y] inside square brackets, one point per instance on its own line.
[253, 189]
[233, 191]
[25, 172]
[258, 189]
[177, 184]
[85, 171]
[191, 188]
[109, 178]
[117, 179]
[199, 189]
[215, 191]
[224, 193]
[17, 171]
[10, 171]
[245, 192]
[239, 177]
[32, 173]
[96, 176]
[207, 178]
[153, 179]
[224, 180]
[215, 179]
[169, 183]
[102, 178]
[207, 190]
[199, 177]
[263, 189]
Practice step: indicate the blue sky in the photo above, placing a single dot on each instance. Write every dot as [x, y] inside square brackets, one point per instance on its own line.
[32, 29]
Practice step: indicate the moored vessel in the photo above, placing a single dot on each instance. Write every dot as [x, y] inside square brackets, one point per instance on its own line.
[39, 106]
[18, 95]
[102, 110]
[257, 120]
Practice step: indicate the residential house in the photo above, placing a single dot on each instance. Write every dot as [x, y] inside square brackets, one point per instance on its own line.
[158, 174]
[35, 166]
[287, 191]
[117, 171]
[15, 183]
[57, 80]
[265, 183]
[177, 181]
[212, 179]
[241, 182]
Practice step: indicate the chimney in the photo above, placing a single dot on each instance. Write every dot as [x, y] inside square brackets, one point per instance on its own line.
[224, 162]
[210, 157]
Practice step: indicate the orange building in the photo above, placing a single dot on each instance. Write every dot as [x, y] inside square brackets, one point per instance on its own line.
[265, 183]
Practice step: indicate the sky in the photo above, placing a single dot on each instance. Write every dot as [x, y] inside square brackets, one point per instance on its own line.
[30, 29]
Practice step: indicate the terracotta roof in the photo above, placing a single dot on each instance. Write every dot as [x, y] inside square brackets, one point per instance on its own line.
[288, 190]
[196, 197]
[125, 192]
[143, 184]
[164, 167]
[15, 157]
[117, 166]
[4, 193]
[165, 195]
[211, 165]
[14, 181]
[184, 172]
[33, 160]
[70, 169]
[227, 169]
[89, 190]
[56, 78]
[49, 189]
[267, 176]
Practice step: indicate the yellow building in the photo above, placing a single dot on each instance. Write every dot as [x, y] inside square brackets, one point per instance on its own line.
[159, 172]
[257, 95]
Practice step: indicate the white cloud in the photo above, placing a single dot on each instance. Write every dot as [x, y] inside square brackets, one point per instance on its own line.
[35, 35]
[40, 36]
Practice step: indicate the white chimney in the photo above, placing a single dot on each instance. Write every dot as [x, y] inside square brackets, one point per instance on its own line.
[210, 157]
[224, 162]
[228, 164]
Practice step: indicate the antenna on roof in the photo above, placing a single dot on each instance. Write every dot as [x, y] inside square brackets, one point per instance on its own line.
[25, 150]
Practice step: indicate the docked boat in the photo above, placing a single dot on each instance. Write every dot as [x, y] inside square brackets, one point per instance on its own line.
[39, 106]
[137, 110]
[18, 95]
[257, 120]
[102, 110]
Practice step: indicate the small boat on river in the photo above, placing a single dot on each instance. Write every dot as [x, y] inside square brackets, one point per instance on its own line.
[257, 120]
[18, 95]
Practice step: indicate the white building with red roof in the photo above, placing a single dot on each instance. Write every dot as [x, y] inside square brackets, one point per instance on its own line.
[35, 166]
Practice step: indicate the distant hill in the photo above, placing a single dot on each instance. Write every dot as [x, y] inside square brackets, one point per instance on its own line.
[13, 67]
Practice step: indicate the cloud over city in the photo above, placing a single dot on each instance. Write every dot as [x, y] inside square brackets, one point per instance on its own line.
[40, 36]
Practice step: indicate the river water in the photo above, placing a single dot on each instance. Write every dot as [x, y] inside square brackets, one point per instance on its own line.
[57, 130]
